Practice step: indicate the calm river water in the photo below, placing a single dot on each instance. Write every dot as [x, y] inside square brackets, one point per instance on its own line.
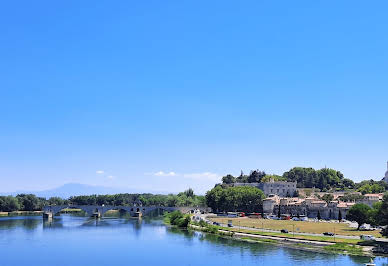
[74, 240]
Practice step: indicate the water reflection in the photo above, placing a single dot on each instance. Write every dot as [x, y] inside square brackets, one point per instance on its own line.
[29, 223]
[122, 232]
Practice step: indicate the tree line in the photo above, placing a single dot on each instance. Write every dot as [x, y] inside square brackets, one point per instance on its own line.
[227, 198]
[30, 202]
[377, 215]
[325, 179]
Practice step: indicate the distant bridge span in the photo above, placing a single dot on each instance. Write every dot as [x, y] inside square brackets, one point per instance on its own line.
[96, 210]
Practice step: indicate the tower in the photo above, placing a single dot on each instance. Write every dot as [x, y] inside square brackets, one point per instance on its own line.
[386, 175]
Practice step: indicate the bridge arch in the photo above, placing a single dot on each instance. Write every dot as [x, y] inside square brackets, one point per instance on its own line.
[90, 209]
[56, 209]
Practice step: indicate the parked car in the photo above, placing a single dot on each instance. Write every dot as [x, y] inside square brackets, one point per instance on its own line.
[284, 231]
[367, 237]
[328, 234]
[366, 227]
[215, 223]
[230, 225]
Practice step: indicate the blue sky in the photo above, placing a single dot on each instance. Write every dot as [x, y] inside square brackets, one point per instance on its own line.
[163, 95]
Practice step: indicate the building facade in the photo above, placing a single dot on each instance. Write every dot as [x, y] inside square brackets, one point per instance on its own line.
[279, 188]
[311, 207]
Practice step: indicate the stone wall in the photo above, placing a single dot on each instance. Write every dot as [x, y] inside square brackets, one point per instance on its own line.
[311, 211]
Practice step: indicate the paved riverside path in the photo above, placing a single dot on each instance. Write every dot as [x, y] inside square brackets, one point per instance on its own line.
[278, 238]
[296, 233]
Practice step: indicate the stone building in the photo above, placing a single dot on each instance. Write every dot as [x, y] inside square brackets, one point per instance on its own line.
[386, 175]
[370, 199]
[279, 188]
[309, 207]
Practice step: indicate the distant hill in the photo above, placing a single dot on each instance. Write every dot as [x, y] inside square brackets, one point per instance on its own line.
[74, 189]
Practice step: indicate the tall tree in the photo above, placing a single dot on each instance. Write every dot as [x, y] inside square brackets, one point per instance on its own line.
[255, 176]
[359, 213]
[228, 179]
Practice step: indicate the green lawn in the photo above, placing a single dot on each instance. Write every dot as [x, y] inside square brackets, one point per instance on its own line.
[289, 235]
[302, 227]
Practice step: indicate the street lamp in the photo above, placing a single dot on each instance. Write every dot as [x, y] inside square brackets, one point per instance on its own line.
[262, 226]
[293, 230]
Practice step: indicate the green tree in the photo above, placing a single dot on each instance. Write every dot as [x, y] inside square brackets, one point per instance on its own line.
[189, 193]
[379, 214]
[29, 202]
[324, 179]
[255, 176]
[347, 184]
[55, 201]
[267, 178]
[365, 189]
[375, 217]
[371, 186]
[228, 179]
[305, 177]
[351, 197]
[327, 198]
[178, 219]
[242, 198]
[9, 204]
[359, 213]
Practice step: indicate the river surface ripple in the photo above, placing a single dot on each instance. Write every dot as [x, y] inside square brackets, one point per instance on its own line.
[76, 240]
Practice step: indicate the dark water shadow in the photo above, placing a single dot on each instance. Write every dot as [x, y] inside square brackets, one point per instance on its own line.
[25, 222]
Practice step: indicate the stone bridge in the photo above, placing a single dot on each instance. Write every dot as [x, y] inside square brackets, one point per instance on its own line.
[95, 210]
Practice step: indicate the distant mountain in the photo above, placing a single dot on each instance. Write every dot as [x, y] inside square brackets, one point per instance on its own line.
[74, 189]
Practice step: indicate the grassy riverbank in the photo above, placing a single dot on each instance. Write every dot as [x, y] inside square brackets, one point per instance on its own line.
[317, 244]
[298, 226]
[291, 236]
[20, 213]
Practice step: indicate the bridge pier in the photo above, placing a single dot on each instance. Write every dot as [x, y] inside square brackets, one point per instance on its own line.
[47, 215]
[96, 215]
[138, 214]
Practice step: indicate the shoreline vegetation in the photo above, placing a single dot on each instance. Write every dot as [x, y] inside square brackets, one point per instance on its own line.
[320, 244]
[30, 202]
[36, 213]
[341, 229]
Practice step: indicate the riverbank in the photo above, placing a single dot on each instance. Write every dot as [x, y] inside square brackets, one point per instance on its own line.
[299, 227]
[20, 213]
[322, 245]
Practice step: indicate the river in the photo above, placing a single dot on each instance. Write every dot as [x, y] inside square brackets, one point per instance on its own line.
[76, 240]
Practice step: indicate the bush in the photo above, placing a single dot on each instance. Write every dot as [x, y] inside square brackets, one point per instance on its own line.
[177, 218]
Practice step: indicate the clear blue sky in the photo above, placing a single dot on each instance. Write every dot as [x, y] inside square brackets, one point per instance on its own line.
[164, 95]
